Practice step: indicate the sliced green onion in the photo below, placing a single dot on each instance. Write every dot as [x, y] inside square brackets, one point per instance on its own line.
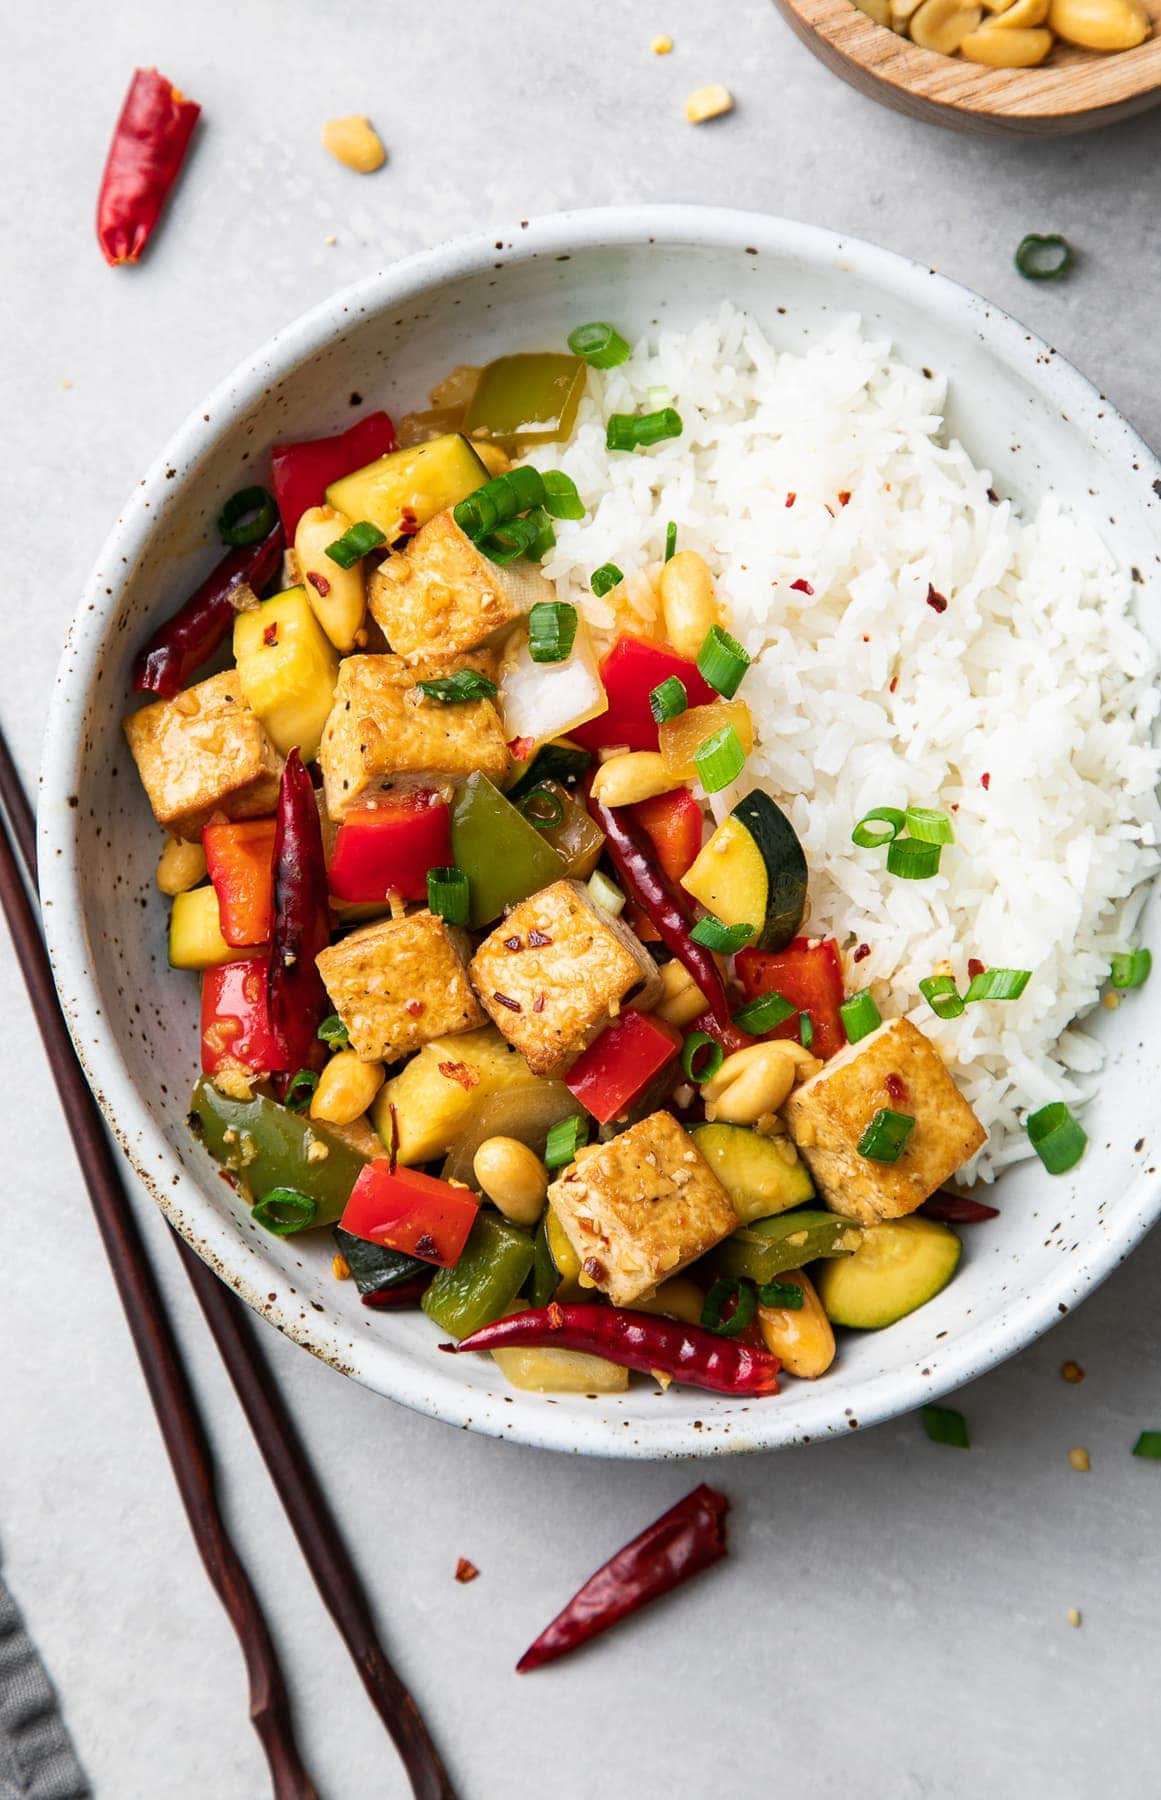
[1058, 1140]
[448, 895]
[332, 1031]
[786, 1294]
[605, 579]
[560, 496]
[506, 543]
[355, 543]
[605, 894]
[913, 860]
[1131, 970]
[885, 1138]
[453, 690]
[763, 1013]
[499, 500]
[805, 1030]
[668, 699]
[551, 631]
[865, 834]
[860, 1016]
[670, 540]
[299, 1089]
[944, 1425]
[700, 1071]
[636, 431]
[720, 759]
[998, 984]
[725, 1289]
[712, 934]
[544, 539]
[285, 1211]
[542, 808]
[942, 995]
[1149, 1444]
[1043, 258]
[599, 344]
[247, 516]
[565, 1138]
[722, 662]
[929, 826]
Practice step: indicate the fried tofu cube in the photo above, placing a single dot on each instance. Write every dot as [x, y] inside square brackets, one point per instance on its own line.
[204, 752]
[399, 983]
[641, 1208]
[384, 731]
[899, 1069]
[441, 595]
[556, 970]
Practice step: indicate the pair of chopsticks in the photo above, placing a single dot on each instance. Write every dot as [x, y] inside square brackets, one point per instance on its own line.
[175, 1403]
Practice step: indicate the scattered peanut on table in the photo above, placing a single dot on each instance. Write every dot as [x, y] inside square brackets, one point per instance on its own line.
[708, 102]
[355, 143]
[1012, 34]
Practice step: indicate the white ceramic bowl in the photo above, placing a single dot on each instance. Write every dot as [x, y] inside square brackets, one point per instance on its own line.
[1029, 417]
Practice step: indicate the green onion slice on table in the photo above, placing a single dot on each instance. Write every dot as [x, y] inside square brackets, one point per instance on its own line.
[1043, 258]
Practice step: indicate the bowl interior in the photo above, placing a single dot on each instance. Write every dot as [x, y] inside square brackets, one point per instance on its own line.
[1031, 420]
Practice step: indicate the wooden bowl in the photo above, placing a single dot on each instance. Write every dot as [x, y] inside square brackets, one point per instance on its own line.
[1075, 90]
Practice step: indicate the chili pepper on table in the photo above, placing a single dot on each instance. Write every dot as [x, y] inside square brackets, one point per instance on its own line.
[617, 1068]
[148, 148]
[302, 473]
[190, 637]
[390, 846]
[295, 992]
[636, 1340]
[809, 975]
[957, 1209]
[688, 1538]
[630, 671]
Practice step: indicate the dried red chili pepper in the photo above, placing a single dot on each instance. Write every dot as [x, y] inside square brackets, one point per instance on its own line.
[688, 1538]
[635, 1340]
[405, 1293]
[635, 860]
[149, 144]
[296, 998]
[178, 648]
[957, 1209]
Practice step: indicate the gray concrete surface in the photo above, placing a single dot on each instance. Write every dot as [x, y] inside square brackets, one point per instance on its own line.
[893, 1620]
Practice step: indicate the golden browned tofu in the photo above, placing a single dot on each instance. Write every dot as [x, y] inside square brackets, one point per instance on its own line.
[441, 596]
[399, 983]
[641, 1208]
[556, 970]
[204, 752]
[384, 732]
[898, 1069]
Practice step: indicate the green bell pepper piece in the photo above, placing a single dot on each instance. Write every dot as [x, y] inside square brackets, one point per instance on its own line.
[545, 1277]
[265, 1147]
[527, 399]
[766, 1249]
[504, 857]
[493, 1267]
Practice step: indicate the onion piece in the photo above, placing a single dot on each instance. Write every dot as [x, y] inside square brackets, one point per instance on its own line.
[541, 701]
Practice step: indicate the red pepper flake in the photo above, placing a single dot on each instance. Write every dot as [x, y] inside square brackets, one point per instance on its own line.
[538, 939]
[513, 943]
[863, 950]
[975, 967]
[993, 497]
[985, 780]
[425, 1245]
[790, 499]
[844, 496]
[465, 1074]
[935, 600]
[594, 1268]
[408, 521]
[415, 1007]
[894, 683]
[802, 587]
[270, 635]
[538, 1003]
[503, 1000]
[318, 582]
[896, 1088]
[466, 1571]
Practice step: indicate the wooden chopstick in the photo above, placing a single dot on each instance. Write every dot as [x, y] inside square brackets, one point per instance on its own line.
[299, 1489]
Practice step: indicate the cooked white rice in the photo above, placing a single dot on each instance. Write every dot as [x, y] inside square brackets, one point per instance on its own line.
[863, 695]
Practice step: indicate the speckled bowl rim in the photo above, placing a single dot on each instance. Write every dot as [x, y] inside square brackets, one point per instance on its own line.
[949, 1365]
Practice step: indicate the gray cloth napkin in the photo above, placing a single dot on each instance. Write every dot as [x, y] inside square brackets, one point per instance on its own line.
[37, 1760]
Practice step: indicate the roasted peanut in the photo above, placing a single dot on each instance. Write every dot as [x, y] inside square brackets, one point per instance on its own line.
[336, 595]
[756, 1081]
[1021, 17]
[708, 103]
[1100, 24]
[345, 1089]
[801, 1337]
[180, 866]
[942, 25]
[879, 10]
[688, 603]
[635, 775]
[355, 143]
[1007, 49]
[682, 1001]
[513, 1177]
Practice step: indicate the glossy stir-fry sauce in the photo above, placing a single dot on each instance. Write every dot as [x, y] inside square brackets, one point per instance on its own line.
[486, 993]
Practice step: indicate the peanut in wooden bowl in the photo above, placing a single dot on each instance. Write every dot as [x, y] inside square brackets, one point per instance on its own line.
[1074, 90]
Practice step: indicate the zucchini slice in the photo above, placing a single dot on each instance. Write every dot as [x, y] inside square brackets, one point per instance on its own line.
[754, 1170]
[404, 489]
[900, 1265]
[753, 872]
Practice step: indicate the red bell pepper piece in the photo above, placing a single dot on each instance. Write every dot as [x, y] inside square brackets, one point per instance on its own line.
[809, 974]
[236, 1025]
[295, 993]
[630, 671]
[149, 144]
[240, 861]
[407, 1210]
[616, 1069]
[636, 1340]
[190, 637]
[303, 472]
[389, 847]
[688, 1538]
[674, 824]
